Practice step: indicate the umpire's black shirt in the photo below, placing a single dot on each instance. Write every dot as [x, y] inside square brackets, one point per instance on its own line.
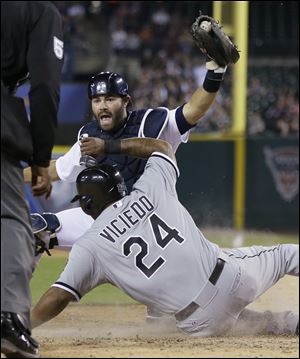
[32, 42]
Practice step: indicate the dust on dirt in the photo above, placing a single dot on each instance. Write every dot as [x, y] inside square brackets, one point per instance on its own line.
[112, 331]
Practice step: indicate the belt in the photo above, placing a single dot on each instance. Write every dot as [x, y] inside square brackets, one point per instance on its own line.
[190, 309]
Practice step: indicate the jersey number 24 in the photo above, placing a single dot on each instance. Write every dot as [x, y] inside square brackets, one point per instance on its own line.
[157, 224]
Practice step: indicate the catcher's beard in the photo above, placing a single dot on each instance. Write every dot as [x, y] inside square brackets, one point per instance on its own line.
[117, 120]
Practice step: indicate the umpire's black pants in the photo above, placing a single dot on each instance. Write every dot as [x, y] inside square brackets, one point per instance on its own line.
[17, 242]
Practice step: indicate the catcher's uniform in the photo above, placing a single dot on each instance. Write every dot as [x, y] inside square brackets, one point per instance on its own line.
[148, 245]
[168, 125]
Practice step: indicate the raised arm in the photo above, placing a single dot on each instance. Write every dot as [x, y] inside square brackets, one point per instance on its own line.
[198, 105]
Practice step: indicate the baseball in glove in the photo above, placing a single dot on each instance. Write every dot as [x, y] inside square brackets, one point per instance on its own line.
[213, 42]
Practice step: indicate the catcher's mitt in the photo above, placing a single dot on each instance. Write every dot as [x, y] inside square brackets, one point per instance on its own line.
[213, 42]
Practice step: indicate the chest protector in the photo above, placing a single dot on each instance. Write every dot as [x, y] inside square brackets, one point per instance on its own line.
[141, 123]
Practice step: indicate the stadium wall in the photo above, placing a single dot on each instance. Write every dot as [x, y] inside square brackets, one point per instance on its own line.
[206, 186]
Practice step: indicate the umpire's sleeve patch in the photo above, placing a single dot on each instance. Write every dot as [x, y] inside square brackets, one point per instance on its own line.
[154, 122]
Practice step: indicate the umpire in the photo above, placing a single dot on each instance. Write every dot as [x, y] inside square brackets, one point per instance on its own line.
[31, 48]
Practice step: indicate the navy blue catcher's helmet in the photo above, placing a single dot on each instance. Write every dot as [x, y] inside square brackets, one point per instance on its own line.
[97, 187]
[107, 83]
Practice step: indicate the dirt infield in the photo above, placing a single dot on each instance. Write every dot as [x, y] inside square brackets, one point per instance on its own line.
[121, 332]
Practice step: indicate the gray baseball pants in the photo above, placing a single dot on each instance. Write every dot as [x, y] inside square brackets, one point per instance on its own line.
[17, 241]
[248, 272]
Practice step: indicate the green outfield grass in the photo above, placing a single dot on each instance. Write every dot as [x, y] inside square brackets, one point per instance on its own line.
[50, 267]
[48, 272]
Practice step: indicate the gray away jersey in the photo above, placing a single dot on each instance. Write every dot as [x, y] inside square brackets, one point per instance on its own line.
[147, 244]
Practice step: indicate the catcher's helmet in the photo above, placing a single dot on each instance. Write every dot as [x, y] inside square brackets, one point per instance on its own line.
[97, 187]
[107, 83]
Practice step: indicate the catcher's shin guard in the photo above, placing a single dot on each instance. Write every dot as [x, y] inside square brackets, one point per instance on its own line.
[48, 222]
[38, 223]
[44, 227]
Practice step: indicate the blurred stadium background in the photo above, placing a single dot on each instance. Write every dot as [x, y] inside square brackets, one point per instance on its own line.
[240, 168]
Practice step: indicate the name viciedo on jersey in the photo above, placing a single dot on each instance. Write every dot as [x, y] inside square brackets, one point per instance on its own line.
[127, 219]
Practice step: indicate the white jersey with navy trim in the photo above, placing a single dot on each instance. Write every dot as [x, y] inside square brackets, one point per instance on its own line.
[146, 244]
[68, 167]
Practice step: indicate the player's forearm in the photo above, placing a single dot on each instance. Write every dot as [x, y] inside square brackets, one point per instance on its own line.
[49, 306]
[135, 147]
[203, 98]
[139, 147]
[198, 105]
[27, 174]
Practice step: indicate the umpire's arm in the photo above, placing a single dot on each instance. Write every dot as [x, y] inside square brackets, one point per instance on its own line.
[45, 60]
[27, 172]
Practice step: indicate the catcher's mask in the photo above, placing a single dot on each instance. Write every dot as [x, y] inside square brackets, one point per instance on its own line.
[107, 83]
[98, 187]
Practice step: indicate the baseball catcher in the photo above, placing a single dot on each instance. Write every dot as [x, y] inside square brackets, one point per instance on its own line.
[213, 42]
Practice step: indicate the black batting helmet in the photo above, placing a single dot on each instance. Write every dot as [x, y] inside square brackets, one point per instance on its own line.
[97, 187]
[107, 83]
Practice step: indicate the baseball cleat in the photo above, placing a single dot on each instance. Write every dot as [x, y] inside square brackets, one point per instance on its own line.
[16, 341]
